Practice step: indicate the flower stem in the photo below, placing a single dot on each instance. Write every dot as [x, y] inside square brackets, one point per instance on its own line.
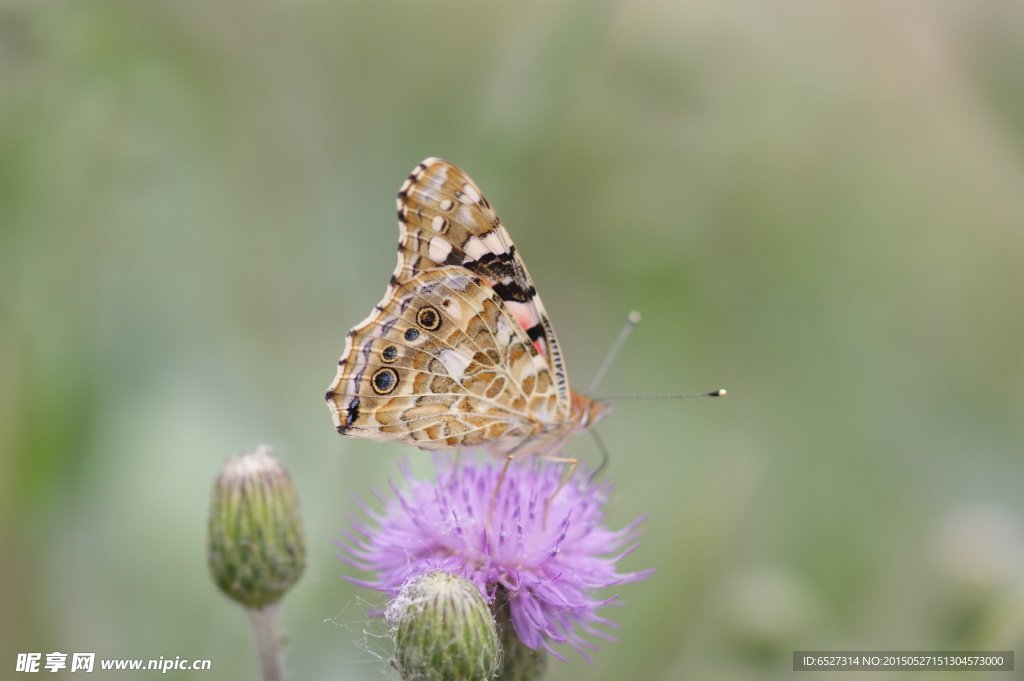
[268, 640]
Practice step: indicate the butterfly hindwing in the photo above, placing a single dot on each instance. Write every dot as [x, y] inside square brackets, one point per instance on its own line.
[441, 363]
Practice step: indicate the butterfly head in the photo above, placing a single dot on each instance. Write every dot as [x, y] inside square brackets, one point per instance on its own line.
[586, 412]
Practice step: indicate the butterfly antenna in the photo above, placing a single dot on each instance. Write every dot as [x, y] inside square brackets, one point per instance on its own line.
[605, 457]
[713, 393]
[631, 321]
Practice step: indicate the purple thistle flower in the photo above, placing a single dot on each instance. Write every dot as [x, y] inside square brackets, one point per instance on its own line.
[548, 570]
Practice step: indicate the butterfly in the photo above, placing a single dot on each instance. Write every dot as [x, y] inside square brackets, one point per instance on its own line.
[460, 352]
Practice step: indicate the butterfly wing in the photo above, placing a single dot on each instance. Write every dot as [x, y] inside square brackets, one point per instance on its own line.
[445, 219]
[460, 351]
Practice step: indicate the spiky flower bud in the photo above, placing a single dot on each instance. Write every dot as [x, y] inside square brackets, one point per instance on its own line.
[445, 631]
[256, 550]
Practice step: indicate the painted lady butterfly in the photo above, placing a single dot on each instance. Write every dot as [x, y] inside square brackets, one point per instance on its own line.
[460, 352]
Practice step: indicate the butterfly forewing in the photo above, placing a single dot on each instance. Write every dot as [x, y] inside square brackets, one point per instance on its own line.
[445, 219]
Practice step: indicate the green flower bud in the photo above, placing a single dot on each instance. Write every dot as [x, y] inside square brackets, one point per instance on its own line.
[255, 546]
[518, 661]
[445, 631]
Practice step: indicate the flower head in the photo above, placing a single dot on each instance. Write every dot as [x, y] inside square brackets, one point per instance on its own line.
[545, 563]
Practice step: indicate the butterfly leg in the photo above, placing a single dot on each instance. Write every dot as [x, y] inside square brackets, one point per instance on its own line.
[501, 479]
[456, 460]
[572, 469]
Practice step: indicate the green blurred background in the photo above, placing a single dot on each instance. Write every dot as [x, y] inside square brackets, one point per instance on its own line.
[819, 206]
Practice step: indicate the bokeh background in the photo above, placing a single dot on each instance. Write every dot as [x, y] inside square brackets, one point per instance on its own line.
[819, 206]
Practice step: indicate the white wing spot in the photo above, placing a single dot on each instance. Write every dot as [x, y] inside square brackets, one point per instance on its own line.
[504, 333]
[455, 363]
[438, 223]
[493, 242]
[445, 204]
[471, 193]
[438, 249]
[454, 311]
[475, 248]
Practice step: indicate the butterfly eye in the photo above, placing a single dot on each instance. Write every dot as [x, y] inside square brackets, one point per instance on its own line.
[384, 381]
[429, 318]
[389, 354]
[412, 334]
